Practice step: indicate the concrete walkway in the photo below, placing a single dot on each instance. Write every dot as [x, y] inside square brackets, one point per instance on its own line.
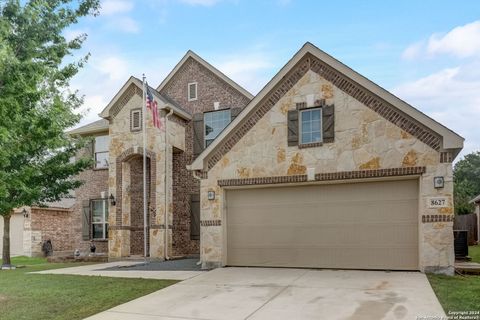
[274, 293]
[114, 269]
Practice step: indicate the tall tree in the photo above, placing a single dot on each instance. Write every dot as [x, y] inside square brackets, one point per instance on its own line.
[466, 178]
[36, 105]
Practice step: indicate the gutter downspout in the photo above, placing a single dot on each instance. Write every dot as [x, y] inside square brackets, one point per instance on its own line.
[165, 217]
[194, 174]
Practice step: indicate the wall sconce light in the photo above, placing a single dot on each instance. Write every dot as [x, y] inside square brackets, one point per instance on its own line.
[211, 195]
[438, 182]
[25, 213]
[112, 199]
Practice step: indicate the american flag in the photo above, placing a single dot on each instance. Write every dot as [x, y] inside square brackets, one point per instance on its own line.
[153, 106]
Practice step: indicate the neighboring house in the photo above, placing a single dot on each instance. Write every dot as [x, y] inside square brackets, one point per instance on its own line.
[193, 99]
[476, 202]
[16, 234]
[30, 227]
[325, 169]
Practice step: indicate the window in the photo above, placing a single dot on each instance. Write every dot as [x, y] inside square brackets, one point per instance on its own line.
[192, 91]
[136, 120]
[101, 152]
[311, 126]
[99, 219]
[214, 123]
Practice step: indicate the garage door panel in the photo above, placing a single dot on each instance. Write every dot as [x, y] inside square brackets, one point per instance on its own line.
[295, 235]
[364, 225]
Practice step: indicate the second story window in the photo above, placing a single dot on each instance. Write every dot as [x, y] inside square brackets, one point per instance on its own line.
[311, 126]
[214, 123]
[101, 152]
[192, 91]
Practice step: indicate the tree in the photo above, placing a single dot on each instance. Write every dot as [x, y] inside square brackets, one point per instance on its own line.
[36, 105]
[466, 178]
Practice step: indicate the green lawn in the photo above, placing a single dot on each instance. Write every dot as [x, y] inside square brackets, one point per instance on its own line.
[56, 297]
[457, 293]
[474, 253]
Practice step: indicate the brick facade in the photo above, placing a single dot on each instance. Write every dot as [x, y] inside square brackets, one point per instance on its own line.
[54, 225]
[95, 182]
[210, 89]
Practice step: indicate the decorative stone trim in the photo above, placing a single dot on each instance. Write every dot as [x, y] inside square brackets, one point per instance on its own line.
[125, 156]
[126, 96]
[343, 175]
[428, 218]
[369, 99]
[301, 105]
[446, 157]
[118, 228]
[161, 226]
[310, 145]
[210, 223]
[202, 174]
[374, 173]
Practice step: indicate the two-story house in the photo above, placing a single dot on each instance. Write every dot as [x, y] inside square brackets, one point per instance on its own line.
[321, 169]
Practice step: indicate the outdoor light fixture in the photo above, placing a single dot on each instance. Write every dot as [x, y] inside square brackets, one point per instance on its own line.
[112, 199]
[438, 182]
[25, 213]
[211, 195]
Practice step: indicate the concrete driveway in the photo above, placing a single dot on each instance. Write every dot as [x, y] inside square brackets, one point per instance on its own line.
[270, 293]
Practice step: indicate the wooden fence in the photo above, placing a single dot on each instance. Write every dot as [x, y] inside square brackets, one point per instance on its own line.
[467, 222]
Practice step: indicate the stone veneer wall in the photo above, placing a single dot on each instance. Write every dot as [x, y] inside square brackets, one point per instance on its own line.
[124, 145]
[210, 89]
[364, 140]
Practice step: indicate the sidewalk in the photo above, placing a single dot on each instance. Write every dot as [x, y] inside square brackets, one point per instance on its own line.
[120, 270]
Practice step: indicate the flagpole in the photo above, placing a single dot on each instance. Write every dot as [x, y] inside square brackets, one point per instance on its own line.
[144, 132]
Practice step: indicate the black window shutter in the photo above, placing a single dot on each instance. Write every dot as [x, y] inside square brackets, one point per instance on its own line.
[195, 216]
[328, 122]
[292, 128]
[198, 134]
[234, 112]
[86, 220]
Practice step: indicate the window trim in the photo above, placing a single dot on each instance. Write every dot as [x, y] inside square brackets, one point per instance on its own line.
[300, 124]
[95, 153]
[196, 91]
[205, 126]
[105, 219]
[139, 111]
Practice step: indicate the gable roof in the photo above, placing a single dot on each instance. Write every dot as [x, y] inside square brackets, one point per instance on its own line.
[164, 103]
[475, 200]
[373, 96]
[208, 66]
[91, 128]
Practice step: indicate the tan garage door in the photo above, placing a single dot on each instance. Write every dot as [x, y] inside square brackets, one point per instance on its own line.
[359, 226]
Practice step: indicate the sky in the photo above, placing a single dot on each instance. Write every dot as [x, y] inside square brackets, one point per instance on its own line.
[425, 52]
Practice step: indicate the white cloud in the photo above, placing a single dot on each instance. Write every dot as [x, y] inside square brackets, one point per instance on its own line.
[451, 97]
[413, 51]
[206, 3]
[247, 70]
[125, 24]
[114, 67]
[113, 7]
[461, 42]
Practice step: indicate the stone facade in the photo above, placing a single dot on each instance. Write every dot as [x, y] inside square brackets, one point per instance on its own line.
[365, 141]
